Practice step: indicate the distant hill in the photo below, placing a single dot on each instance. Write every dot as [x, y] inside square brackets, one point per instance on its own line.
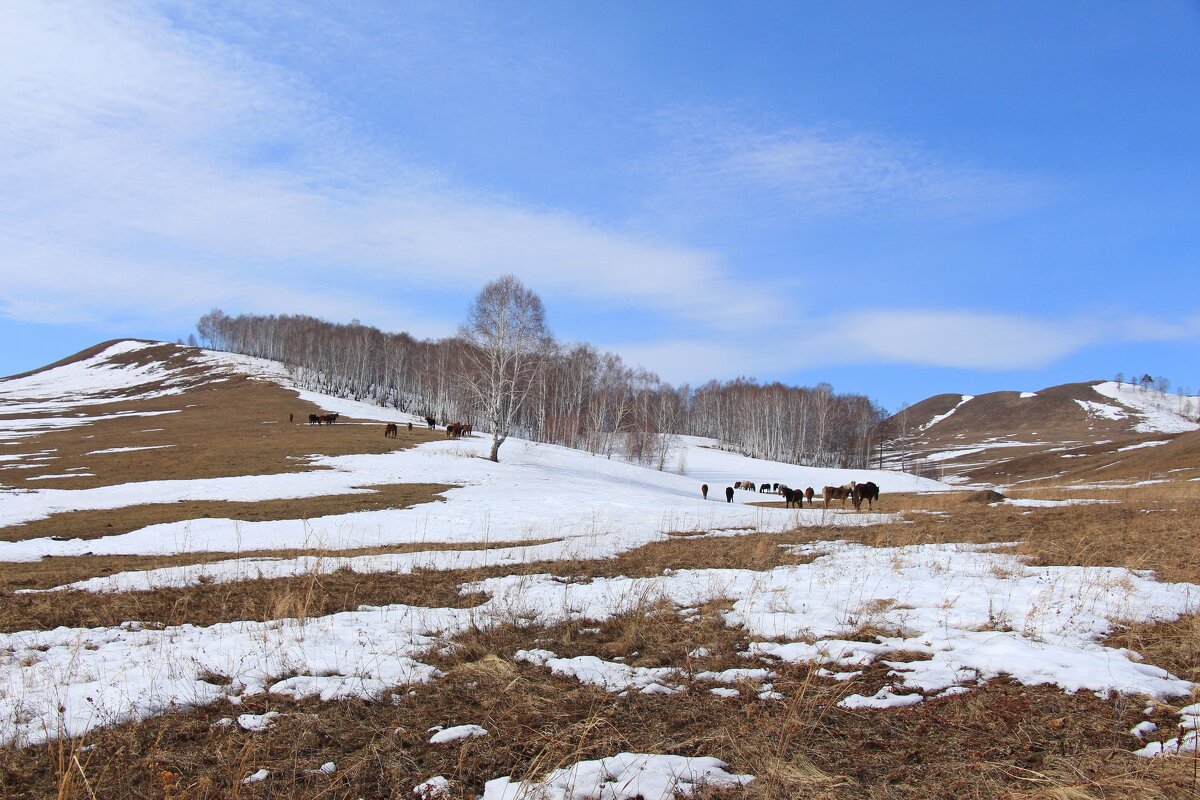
[1068, 433]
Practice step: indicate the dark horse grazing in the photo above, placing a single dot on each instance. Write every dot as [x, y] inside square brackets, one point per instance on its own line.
[313, 419]
[728, 494]
[764, 489]
[431, 422]
[391, 431]
[793, 496]
[329, 419]
[704, 490]
[865, 491]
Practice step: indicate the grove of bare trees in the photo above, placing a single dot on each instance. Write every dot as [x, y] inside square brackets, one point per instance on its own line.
[571, 394]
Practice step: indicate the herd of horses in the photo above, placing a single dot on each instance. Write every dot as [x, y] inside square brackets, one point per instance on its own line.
[456, 429]
[453, 431]
[853, 491]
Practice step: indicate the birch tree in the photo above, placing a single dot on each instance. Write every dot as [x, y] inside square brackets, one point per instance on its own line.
[506, 347]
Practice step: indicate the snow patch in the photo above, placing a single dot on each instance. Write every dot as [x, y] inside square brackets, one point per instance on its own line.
[627, 776]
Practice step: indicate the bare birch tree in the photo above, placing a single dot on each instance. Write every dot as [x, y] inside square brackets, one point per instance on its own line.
[507, 343]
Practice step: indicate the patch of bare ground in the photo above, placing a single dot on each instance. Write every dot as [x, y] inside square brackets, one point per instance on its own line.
[1001, 740]
[219, 428]
[113, 521]
[51, 572]
[254, 600]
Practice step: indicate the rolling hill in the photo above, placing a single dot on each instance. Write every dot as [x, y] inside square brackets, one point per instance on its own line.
[1071, 433]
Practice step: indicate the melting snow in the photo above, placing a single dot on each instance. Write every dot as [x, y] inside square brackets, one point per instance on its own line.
[1102, 410]
[940, 417]
[627, 776]
[457, 732]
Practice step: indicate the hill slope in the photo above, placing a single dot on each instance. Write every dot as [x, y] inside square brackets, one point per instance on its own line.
[1006, 437]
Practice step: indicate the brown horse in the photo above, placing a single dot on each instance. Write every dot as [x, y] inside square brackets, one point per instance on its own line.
[391, 431]
[329, 419]
[704, 490]
[454, 430]
[837, 493]
[467, 430]
[808, 495]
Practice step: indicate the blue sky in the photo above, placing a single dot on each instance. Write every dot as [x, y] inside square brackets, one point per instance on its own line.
[900, 199]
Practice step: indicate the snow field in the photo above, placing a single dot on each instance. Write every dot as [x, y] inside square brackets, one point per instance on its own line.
[626, 776]
[1159, 412]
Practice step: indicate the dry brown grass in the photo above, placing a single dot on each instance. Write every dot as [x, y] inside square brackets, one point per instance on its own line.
[52, 572]
[111, 522]
[256, 600]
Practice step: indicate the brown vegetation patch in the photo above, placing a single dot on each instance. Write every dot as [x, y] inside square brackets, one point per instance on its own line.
[1174, 646]
[48, 572]
[113, 521]
[259, 599]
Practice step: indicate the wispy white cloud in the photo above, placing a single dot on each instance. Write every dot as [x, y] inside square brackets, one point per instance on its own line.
[150, 169]
[971, 340]
[716, 163]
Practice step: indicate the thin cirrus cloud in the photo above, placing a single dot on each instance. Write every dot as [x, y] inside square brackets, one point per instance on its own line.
[969, 340]
[715, 164]
[132, 148]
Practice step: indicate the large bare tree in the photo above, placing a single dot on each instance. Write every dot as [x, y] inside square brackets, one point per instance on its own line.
[507, 345]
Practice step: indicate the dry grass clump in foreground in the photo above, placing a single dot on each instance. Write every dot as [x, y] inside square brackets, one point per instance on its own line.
[1002, 740]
